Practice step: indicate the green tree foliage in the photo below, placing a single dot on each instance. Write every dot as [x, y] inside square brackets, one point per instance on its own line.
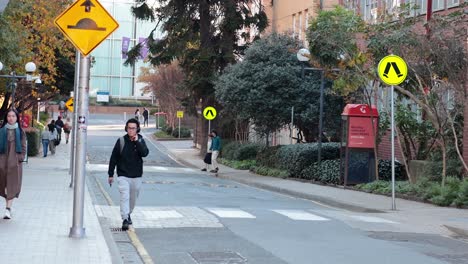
[27, 33]
[333, 40]
[267, 83]
[203, 36]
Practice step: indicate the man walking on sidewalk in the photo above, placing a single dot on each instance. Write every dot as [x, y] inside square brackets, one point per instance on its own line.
[145, 117]
[215, 148]
[127, 156]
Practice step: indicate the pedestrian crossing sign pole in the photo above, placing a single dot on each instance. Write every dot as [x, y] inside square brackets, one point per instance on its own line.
[392, 71]
[209, 113]
[180, 114]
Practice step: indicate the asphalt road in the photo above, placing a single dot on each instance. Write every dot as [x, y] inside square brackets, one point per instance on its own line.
[186, 216]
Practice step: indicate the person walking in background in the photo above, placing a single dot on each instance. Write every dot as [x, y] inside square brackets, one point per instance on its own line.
[45, 141]
[52, 138]
[66, 129]
[208, 154]
[59, 125]
[12, 154]
[145, 117]
[137, 115]
[127, 156]
[215, 148]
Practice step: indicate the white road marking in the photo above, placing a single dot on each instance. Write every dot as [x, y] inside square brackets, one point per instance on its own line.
[230, 213]
[160, 214]
[300, 215]
[372, 219]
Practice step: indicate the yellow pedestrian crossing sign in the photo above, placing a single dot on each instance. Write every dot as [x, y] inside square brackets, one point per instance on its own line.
[209, 113]
[86, 23]
[180, 114]
[392, 70]
[69, 104]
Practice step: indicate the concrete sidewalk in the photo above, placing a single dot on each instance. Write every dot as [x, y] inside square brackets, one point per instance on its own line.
[42, 217]
[414, 217]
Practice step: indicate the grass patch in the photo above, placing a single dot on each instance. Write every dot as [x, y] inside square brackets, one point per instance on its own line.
[266, 171]
[239, 164]
[162, 134]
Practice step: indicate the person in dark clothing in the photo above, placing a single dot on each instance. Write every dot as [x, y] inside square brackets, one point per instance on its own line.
[127, 156]
[145, 117]
[59, 125]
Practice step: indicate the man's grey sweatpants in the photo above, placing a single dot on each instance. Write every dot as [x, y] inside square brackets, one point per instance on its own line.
[129, 189]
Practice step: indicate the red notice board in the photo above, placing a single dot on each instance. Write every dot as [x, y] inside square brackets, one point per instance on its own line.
[360, 133]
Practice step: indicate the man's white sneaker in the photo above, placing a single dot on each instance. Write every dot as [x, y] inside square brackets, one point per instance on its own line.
[7, 214]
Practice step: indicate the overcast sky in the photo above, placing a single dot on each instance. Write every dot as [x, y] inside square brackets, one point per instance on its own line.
[3, 3]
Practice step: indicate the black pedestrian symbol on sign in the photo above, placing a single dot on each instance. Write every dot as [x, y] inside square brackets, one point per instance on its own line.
[209, 112]
[87, 4]
[395, 67]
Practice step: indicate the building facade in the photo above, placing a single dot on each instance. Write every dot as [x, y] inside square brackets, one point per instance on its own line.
[108, 74]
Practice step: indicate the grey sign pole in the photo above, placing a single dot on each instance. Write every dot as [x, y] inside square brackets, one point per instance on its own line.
[179, 127]
[393, 147]
[77, 230]
[73, 130]
[292, 124]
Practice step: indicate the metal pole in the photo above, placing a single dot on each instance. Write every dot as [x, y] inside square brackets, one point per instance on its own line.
[125, 117]
[292, 124]
[179, 127]
[393, 147]
[74, 123]
[77, 230]
[322, 84]
[38, 108]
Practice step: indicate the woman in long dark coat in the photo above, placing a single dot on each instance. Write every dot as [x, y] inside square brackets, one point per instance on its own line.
[12, 154]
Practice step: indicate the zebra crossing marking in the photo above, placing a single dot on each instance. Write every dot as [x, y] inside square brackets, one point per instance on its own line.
[300, 215]
[230, 213]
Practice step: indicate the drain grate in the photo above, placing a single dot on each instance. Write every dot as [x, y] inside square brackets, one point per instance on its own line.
[116, 229]
[217, 258]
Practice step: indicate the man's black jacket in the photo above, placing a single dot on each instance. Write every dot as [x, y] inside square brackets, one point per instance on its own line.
[129, 163]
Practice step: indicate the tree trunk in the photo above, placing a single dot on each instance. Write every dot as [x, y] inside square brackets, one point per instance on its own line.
[444, 161]
[410, 178]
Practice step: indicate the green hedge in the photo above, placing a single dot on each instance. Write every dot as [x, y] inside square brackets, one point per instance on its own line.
[184, 132]
[296, 158]
[385, 170]
[34, 144]
[329, 172]
[237, 151]
[229, 149]
[266, 171]
[268, 157]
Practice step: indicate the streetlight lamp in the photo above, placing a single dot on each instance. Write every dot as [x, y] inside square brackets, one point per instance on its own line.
[30, 67]
[303, 55]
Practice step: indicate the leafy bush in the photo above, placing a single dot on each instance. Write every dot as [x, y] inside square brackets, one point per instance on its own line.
[295, 158]
[246, 151]
[167, 129]
[268, 156]
[385, 170]
[162, 134]
[33, 135]
[228, 151]
[462, 198]
[329, 172]
[265, 171]
[373, 187]
[184, 132]
[239, 165]
[448, 193]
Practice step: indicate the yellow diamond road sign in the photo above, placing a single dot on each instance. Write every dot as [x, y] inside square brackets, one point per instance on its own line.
[392, 70]
[69, 104]
[209, 113]
[86, 23]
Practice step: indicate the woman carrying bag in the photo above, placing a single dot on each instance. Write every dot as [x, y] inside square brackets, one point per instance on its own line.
[207, 158]
[12, 154]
